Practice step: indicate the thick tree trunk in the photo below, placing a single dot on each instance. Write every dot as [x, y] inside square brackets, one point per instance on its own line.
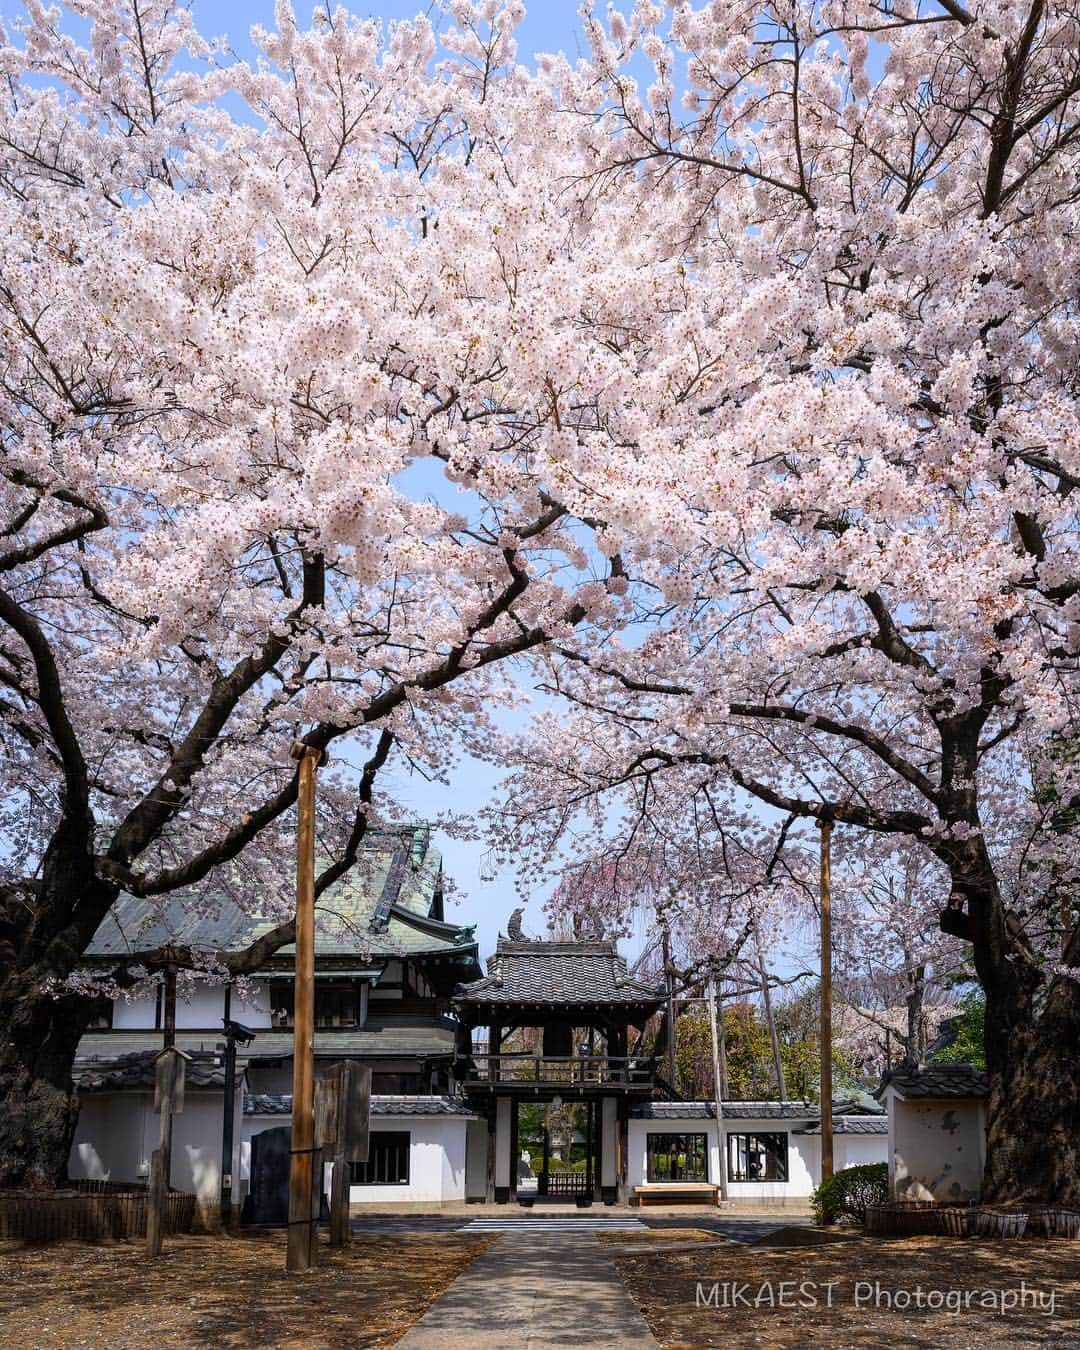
[1032, 1038]
[1033, 1111]
[38, 1106]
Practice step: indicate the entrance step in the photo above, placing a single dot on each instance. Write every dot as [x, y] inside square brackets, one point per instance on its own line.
[540, 1222]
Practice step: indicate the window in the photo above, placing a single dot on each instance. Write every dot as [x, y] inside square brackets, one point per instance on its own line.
[757, 1157]
[388, 1160]
[337, 1003]
[677, 1157]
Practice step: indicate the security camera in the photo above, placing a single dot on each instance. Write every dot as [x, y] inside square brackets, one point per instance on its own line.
[238, 1031]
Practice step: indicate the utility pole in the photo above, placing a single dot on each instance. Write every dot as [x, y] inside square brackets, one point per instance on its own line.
[826, 1001]
[721, 1031]
[227, 1115]
[168, 1100]
[717, 1087]
[303, 1247]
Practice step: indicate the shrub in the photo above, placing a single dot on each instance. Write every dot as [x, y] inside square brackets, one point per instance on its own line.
[848, 1193]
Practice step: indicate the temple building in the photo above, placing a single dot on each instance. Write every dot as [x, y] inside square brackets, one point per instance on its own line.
[529, 1082]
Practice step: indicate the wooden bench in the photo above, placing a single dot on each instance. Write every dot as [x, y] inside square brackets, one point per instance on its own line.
[676, 1192]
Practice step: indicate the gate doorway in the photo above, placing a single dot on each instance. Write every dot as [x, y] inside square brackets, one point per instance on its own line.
[557, 1149]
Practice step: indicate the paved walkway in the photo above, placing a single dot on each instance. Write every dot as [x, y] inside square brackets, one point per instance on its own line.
[530, 1290]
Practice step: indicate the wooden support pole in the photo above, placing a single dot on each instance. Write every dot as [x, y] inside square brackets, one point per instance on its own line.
[826, 1001]
[303, 1231]
[717, 1089]
[161, 1158]
[340, 1232]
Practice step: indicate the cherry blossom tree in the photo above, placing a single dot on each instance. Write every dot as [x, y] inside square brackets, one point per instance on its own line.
[894, 970]
[312, 374]
[865, 599]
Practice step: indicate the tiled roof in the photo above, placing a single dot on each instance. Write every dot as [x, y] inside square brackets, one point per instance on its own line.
[385, 906]
[376, 1041]
[935, 1080]
[852, 1125]
[136, 1070]
[732, 1111]
[280, 1104]
[810, 1111]
[538, 973]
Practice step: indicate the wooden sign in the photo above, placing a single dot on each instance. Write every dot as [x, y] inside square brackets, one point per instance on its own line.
[326, 1112]
[170, 1071]
[355, 1112]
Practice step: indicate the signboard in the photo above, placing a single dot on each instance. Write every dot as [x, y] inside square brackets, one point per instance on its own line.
[326, 1112]
[169, 1074]
[356, 1112]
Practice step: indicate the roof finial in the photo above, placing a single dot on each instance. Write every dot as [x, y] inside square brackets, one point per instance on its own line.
[513, 927]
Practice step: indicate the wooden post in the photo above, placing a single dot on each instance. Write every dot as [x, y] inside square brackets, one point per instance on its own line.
[718, 1100]
[826, 1002]
[161, 1158]
[303, 1232]
[339, 1185]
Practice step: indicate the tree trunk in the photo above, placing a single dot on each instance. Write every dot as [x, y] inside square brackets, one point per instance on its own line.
[1033, 1111]
[38, 1039]
[1031, 1034]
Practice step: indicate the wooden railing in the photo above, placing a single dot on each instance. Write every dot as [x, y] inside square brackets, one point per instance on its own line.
[94, 1212]
[563, 1070]
[567, 1183]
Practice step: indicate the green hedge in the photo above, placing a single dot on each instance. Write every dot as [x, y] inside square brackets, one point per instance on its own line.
[848, 1193]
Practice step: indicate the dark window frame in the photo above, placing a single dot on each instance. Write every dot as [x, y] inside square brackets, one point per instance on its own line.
[388, 1161]
[777, 1149]
[664, 1143]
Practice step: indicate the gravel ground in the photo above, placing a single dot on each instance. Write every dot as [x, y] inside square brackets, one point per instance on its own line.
[219, 1291]
[777, 1299]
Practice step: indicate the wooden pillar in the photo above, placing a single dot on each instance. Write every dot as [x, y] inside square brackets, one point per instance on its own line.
[515, 1149]
[340, 1185]
[161, 1158]
[542, 1184]
[717, 1088]
[489, 1189]
[303, 1225]
[826, 1002]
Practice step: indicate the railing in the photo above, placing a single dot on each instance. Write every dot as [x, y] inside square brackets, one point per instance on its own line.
[563, 1070]
[93, 1212]
[567, 1183]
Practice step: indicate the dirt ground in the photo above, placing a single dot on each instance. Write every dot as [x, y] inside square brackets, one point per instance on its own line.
[778, 1299]
[216, 1291]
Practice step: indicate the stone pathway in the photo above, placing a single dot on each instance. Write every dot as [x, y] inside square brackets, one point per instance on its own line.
[533, 1289]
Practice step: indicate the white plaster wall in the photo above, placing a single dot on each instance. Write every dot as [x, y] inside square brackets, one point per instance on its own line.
[204, 1009]
[856, 1150]
[804, 1162]
[436, 1161]
[804, 1156]
[937, 1148]
[637, 1152]
[138, 1015]
[437, 1158]
[111, 1137]
[118, 1131]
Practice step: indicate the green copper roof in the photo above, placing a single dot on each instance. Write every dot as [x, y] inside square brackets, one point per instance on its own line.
[387, 905]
